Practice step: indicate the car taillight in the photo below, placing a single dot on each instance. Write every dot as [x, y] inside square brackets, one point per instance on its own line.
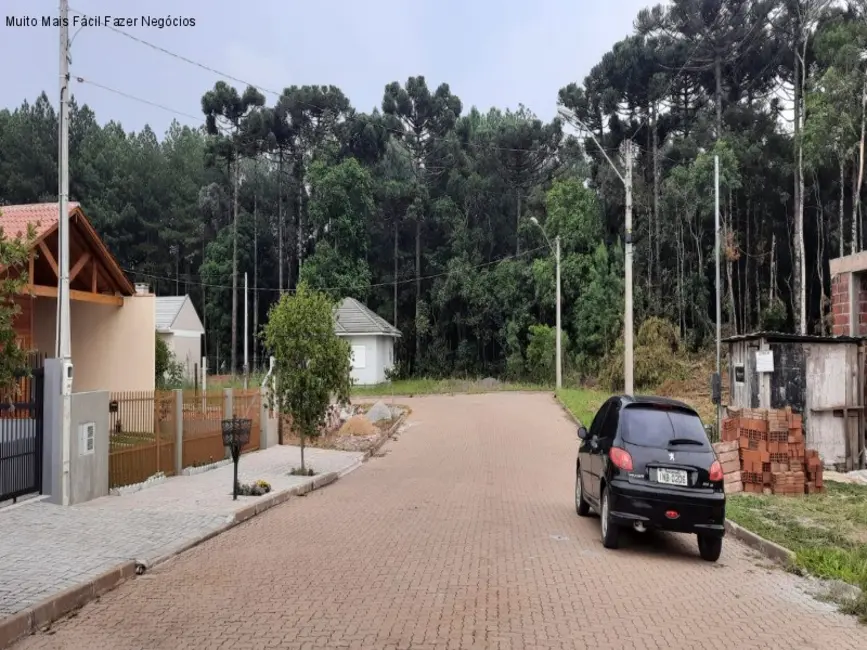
[621, 458]
[716, 472]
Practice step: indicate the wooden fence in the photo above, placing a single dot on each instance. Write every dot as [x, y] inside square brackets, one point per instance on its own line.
[144, 430]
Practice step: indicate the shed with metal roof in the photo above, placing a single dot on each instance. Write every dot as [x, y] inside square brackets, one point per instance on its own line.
[372, 339]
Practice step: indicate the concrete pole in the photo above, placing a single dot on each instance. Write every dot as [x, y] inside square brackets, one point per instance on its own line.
[246, 335]
[64, 346]
[559, 325]
[718, 286]
[627, 316]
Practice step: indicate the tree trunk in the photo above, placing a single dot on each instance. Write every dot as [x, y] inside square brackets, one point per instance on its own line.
[857, 209]
[842, 208]
[235, 268]
[395, 273]
[255, 282]
[657, 278]
[717, 71]
[799, 298]
[417, 283]
[280, 257]
[518, 228]
[853, 246]
[820, 257]
[733, 312]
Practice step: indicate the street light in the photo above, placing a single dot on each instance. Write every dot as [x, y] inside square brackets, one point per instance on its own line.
[626, 179]
[556, 249]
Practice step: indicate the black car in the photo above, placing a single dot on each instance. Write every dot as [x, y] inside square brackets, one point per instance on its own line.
[647, 463]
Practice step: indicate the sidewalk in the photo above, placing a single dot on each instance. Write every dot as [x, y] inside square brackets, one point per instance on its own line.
[46, 549]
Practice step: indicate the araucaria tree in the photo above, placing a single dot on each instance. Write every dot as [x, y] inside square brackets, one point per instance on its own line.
[312, 363]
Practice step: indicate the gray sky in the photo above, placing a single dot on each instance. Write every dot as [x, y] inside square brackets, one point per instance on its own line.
[490, 52]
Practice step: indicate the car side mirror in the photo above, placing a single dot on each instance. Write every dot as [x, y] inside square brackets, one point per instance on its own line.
[582, 433]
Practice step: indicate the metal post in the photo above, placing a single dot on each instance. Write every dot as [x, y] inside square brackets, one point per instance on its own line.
[718, 287]
[246, 335]
[559, 327]
[627, 317]
[64, 346]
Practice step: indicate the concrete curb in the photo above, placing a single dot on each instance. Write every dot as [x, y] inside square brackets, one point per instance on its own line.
[376, 446]
[30, 620]
[766, 547]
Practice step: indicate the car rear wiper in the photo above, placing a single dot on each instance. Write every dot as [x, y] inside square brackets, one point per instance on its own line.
[685, 441]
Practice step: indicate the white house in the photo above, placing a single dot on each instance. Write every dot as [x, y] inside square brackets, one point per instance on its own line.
[178, 324]
[372, 340]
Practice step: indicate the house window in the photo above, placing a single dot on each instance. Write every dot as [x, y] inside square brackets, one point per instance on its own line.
[359, 356]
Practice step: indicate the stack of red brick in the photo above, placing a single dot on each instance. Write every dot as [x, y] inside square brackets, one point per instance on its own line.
[729, 457]
[772, 452]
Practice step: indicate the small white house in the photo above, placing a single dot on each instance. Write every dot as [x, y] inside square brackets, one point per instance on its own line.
[372, 340]
[178, 324]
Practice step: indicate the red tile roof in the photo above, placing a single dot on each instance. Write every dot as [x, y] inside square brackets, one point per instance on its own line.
[14, 219]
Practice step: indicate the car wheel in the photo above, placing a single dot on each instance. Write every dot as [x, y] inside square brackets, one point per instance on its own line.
[709, 547]
[610, 531]
[581, 506]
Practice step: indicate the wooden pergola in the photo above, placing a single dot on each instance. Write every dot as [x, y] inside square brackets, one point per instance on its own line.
[94, 274]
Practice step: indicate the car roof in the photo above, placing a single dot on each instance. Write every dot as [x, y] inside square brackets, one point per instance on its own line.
[653, 400]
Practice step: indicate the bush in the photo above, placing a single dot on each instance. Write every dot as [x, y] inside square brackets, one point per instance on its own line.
[168, 371]
[656, 357]
[542, 353]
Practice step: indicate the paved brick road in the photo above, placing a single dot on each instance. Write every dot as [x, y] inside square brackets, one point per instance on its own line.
[463, 536]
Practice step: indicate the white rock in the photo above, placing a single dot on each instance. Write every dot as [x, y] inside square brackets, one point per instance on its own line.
[378, 412]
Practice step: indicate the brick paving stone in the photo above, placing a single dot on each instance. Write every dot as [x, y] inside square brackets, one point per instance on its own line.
[463, 536]
[45, 548]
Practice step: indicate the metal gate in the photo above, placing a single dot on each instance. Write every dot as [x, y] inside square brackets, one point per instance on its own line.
[21, 438]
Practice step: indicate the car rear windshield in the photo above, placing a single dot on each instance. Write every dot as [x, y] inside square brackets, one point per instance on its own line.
[655, 427]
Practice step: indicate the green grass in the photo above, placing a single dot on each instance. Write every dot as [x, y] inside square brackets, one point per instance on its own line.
[582, 402]
[827, 532]
[423, 386]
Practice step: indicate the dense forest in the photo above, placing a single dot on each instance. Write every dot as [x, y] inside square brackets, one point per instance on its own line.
[441, 218]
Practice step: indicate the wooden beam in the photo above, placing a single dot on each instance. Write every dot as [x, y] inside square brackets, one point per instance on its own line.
[49, 257]
[30, 267]
[81, 296]
[84, 259]
[93, 277]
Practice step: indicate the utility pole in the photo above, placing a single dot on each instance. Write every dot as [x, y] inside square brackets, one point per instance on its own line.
[627, 317]
[556, 249]
[559, 328]
[717, 381]
[246, 337]
[628, 361]
[64, 345]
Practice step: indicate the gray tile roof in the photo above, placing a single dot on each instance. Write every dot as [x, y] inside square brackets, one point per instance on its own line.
[168, 308]
[354, 318]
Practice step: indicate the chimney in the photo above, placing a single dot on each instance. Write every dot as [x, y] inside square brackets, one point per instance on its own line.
[142, 289]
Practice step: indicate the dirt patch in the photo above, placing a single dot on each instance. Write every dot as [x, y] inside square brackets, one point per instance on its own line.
[358, 425]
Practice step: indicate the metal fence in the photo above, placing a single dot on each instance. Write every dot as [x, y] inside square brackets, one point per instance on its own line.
[141, 436]
[144, 430]
[203, 435]
[21, 435]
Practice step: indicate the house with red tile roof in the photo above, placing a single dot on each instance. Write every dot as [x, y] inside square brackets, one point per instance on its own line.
[112, 323]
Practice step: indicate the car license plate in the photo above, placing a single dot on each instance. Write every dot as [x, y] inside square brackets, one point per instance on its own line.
[671, 476]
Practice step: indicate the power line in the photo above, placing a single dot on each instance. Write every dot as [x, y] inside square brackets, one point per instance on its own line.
[275, 93]
[344, 288]
[121, 93]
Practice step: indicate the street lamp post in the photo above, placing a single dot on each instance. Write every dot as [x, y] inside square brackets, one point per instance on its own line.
[556, 249]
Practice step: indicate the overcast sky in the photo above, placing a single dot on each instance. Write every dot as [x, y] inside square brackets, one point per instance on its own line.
[491, 52]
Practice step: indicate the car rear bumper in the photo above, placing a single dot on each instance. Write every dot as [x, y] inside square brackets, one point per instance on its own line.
[701, 513]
